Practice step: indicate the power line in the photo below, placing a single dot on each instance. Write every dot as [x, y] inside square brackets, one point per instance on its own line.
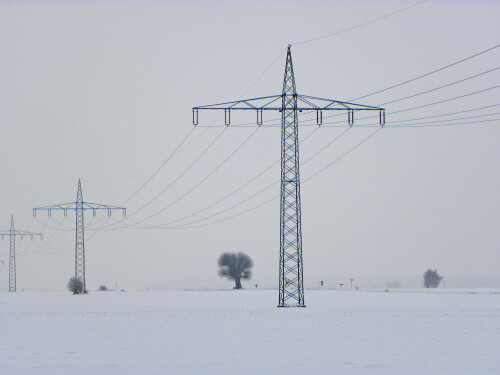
[326, 124]
[161, 166]
[443, 86]
[438, 125]
[456, 119]
[168, 186]
[358, 25]
[181, 175]
[432, 72]
[448, 100]
[398, 123]
[425, 75]
[452, 113]
[152, 176]
[404, 98]
[342, 156]
[255, 82]
[238, 189]
[314, 155]
[105, 182]
[420, 106]
[422, 92]
[394, 86]
[267, 187]
[271, 199]
[200, 182]
[261, 190]
[263, 73]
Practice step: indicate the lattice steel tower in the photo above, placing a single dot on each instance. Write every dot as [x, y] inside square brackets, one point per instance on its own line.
[291, 283]
[12, 233]
[80, 207]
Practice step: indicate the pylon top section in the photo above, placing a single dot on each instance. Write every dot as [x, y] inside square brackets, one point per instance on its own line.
[80, 205]
[21, 233]
[274, 102]
[289, 88]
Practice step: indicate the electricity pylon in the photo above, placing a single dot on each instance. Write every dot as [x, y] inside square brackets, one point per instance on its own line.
[12, 233]
[291, 284]
[79, 207]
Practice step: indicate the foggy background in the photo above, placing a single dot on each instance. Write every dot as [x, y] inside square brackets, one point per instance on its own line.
[103, 91]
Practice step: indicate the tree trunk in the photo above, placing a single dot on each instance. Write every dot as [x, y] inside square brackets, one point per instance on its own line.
[238, 283]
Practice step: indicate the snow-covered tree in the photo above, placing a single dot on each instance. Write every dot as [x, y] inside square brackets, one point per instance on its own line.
[432, 279]
[235, 266]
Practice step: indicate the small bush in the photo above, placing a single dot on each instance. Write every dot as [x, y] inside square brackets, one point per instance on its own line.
[103, 288]
[75, 285]
[432, 279]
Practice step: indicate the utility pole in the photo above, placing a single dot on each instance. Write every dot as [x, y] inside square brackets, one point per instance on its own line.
[12, 233]
[79, 207]
[291, 283]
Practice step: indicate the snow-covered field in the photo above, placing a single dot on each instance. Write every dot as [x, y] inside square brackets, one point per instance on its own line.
[242, 332]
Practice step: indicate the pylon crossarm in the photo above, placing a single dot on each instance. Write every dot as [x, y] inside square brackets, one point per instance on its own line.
[305, 103]
[98, 206]
[264, 99]
[23, 233]
[60, 206]
[340, 104]
[85, 207]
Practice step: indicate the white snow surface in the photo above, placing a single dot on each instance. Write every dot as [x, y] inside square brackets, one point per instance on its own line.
[243, 332]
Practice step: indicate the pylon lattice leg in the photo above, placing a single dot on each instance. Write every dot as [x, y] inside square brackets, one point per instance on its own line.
[12, 257]
[80, 239]
[291, 285]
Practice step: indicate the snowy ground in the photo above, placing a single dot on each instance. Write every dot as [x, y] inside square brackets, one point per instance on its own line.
[242, 332]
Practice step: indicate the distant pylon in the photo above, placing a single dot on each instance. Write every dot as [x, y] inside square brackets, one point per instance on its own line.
[12, 233]
[80, 237]
[79, 206]
[291, 283]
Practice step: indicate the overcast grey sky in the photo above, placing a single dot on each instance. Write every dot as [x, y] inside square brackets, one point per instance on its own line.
[103, 91]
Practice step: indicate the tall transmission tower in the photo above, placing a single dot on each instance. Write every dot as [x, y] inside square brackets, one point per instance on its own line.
[291, 278]
[12, 233]
[79, 207]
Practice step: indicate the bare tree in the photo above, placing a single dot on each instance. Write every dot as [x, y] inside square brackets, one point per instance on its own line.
[432, 279]
[75, 285]
[235, 266]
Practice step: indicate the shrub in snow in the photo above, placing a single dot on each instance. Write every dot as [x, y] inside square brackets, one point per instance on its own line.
[103, 288]
[432, 279]
[75, 285]
[235, 266]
